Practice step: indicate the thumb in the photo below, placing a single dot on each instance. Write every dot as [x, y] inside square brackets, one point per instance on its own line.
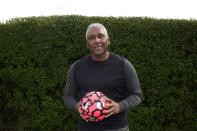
[109, 100]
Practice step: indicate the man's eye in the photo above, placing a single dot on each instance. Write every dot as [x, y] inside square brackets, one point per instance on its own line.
[91, 37]
[101, 36]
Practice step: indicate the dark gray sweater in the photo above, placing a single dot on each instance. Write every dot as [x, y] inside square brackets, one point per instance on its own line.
[115, 77]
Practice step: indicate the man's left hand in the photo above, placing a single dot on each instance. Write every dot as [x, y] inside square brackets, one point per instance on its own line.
[114, 108]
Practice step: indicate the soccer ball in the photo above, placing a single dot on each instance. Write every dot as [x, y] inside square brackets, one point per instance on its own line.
[93, 106]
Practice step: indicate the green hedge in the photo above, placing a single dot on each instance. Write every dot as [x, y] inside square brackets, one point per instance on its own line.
[36, 53]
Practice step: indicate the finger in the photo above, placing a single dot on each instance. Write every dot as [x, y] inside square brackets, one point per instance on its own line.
[110, 105]
[110, 110]
[109, 100]
[108, 115]
[83, 117]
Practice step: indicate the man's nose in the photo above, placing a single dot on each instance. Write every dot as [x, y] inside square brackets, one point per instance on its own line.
[97, 39]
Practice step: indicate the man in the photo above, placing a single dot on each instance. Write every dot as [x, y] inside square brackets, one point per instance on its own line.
[108, 73]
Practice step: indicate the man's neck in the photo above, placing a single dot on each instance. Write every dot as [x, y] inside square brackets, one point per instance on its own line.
[101, 58]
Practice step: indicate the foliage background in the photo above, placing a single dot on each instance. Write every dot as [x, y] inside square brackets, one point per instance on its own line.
[36, 53]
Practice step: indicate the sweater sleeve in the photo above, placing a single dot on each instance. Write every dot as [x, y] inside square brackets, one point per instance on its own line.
[134, 96]
[70, 95]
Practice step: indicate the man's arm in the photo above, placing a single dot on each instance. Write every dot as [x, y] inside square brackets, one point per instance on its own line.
[70, 94]
[133, 88]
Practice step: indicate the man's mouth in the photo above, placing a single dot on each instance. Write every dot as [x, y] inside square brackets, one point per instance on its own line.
[98, 47]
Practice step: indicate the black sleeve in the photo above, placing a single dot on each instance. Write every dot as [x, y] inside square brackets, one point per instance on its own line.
[132, 86]
[70, 95]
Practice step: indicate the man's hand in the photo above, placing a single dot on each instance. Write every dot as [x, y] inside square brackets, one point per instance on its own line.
[78, 109]
[114, 108]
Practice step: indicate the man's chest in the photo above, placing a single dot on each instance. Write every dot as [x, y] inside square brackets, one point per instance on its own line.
[108, 78]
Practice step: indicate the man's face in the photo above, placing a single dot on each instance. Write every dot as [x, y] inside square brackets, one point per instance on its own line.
[97, 41]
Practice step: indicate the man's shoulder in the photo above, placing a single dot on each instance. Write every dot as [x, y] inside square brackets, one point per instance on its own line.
[81, 60]
[118, 57]
[125, 61]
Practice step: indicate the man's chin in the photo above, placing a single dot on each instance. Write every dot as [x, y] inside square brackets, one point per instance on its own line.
[99, 54]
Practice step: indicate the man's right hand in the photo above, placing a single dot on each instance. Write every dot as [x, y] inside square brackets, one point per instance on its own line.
[78, 109]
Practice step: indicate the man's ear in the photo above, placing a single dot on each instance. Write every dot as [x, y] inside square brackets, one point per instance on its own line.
[87, 44]
[108, 40]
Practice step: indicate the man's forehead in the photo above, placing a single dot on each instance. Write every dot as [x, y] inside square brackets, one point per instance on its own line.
[96, 30]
